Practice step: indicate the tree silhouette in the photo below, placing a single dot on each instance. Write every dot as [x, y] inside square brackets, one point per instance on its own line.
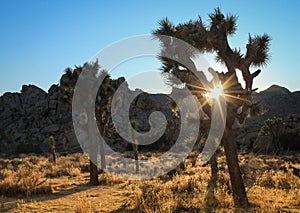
[213, 38]
[101, 110]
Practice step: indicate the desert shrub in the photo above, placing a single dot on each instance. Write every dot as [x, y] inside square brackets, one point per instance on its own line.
[82, 162]
[283, 137]
[25, 180]
[251, 169]
[279, 180]
[56, 171]
[273, 127]
[189, 190]
[84, 206]
[66, 166]
[155, 197]
[223, 183]
[73, 171]
[28, 175]
[185, 184]
[35, 160]
[184, 192]
[107, 179]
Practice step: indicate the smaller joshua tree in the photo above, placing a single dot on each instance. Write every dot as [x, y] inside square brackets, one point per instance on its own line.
[101, 109]
[52, 146]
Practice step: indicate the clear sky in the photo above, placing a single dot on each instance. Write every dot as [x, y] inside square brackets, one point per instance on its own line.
[40, 38]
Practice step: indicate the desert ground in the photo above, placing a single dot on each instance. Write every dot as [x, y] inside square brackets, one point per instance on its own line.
[31, 183]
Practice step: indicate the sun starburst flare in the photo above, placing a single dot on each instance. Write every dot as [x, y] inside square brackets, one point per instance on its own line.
[215, 93]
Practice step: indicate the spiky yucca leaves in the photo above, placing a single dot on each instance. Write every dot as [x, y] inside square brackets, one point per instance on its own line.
[260, 45]
[218, 22]
[213, 37]
[166, 28]
[67, 83]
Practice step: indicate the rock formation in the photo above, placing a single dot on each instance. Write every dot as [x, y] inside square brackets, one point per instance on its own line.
[29, 118]
[277, 102]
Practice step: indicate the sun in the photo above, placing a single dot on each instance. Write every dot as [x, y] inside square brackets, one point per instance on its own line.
[215, 93]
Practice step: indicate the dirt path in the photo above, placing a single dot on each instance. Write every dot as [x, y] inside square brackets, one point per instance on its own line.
[72, 195]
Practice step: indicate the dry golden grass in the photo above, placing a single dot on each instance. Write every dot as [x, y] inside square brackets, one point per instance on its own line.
[271, 188]
[25, 183]
[23, 180]
[30, 175]
[67, 166]
[107, 179]
[84, 206]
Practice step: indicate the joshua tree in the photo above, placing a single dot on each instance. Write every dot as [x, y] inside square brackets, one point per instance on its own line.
[67, 85]
[135, 147]
[52, 145]
[213, 38]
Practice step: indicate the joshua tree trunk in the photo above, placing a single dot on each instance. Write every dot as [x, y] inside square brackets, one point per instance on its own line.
[237, 183]
[135, 146]
[214, 171]
[93, 167]
[93, 150]
[93, 174]
[136, 157]
[102, 151]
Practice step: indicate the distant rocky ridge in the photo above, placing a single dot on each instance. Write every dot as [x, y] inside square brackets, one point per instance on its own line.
[275, 90]
[276, 101]
[279, 101]
[28, 118]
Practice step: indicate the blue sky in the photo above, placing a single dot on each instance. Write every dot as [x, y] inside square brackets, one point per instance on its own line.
[40, 38]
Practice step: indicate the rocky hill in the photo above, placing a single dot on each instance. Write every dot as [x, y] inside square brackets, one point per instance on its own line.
[279, 101]
[275, 90]
[276, 101]
[28, 118]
